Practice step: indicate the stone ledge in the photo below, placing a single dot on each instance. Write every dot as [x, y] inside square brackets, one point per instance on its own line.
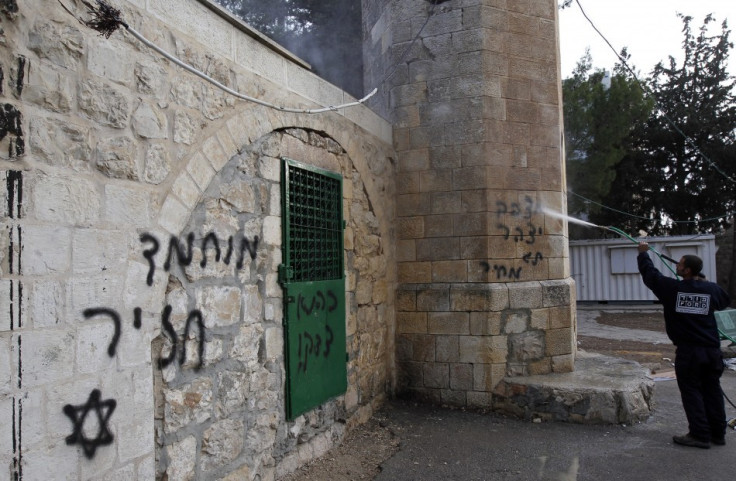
[601, 390]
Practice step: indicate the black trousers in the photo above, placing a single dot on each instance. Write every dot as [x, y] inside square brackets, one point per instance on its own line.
[699, 371]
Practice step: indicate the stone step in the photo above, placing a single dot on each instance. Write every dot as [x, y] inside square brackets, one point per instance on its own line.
[601, 390]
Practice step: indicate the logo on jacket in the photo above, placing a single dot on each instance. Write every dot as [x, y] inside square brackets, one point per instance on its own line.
[692, 303]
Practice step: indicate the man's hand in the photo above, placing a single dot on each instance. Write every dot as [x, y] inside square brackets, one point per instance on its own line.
[643, 247]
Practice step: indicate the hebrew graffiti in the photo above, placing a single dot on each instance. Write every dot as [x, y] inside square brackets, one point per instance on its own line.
[318, 303]
[101, 311]
[79, 416]
[311, 344]
[521, 229]
[195, 316]
[183, 254]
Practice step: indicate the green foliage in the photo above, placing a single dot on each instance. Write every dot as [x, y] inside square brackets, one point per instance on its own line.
[599, 121]
[682, 161]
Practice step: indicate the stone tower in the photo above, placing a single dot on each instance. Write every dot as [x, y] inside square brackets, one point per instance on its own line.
[475, 102]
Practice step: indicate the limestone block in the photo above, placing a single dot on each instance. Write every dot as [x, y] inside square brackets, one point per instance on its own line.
[93, 341]
[187, 92]
[109, 60]
[241, 195]
[559, 342]
[274, 343]
[150, 79]
[95, 290]
[62, 144]
[117, 158]
[485, 323]
[129, 205]
[526, 346]
[146, 468]
[6, 366]
[448, 323]
[233, 389]
[216, 102]
[61, 45]
[104, 103]
[415, 272]
[190, 404]
[246, 344]
[515, 321]
[157, 164]
[174, 215]
[135, 438]
[182, 459]
[272, 230]
[436, 375]
[525, 295]
[149, 122]
[46, 250]
[52, 359]
[221, 305]
[479, 297]
[211, 30]
[65, 200]
[557, 292]
[187, 126]
[50, 89]
[48, 461]
[461, 377]
[48, 303]
[483, 350]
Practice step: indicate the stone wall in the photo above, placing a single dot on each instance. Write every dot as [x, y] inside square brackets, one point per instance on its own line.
[111, 158]
[473, 92]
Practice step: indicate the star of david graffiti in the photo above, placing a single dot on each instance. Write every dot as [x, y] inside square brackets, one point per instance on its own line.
[78, 415]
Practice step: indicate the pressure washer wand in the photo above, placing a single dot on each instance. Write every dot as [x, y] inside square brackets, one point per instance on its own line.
[627, 236]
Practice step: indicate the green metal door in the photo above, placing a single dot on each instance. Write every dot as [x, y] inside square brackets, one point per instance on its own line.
[313, 278]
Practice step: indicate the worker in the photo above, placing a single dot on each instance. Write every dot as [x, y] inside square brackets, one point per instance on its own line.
[688, 315]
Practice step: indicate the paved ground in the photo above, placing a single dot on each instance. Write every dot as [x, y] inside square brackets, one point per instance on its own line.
[436, 444]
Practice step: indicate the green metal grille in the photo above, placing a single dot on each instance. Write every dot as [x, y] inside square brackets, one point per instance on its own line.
[314, 224]
[313, 279]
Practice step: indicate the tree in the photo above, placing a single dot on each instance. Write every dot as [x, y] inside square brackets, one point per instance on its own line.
[325, 33]
[683, 162]
[600, 114]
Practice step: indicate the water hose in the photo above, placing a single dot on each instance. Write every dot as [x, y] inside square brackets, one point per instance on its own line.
[661, 256]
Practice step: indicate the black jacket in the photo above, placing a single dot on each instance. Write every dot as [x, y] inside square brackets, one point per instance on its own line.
[688, 305]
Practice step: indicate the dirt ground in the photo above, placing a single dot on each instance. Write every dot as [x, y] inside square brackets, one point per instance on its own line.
[366, 447]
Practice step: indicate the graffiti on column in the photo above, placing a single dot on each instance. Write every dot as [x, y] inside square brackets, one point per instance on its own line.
[521, 229]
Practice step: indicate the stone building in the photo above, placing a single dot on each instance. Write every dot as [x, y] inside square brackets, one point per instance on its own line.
[181, 269]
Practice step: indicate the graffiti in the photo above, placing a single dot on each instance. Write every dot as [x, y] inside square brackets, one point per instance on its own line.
[195, 316]
[184, 253]
[11, 125]
[14, 181]
[534, 260]
[17, 438]
[102, 311]
[312, 345]
[522, 230]
[317, 304]
[78, 415]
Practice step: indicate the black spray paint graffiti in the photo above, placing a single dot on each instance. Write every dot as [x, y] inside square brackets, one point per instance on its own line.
[312, 345]
[78, 414]
[318, 303]
[195, 316]
[11, 126]
[184, 254]
[525, 232]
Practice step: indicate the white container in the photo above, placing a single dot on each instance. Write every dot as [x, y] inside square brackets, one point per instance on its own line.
[606, 270]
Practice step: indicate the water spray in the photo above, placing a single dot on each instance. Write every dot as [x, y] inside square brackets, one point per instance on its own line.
[616, 231]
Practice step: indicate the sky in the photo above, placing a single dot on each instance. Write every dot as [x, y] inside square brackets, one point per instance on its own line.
[649, 28]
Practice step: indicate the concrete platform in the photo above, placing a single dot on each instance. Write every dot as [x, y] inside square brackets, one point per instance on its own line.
[601, 390]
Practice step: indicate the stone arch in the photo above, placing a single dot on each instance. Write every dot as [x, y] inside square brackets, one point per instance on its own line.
[200, 409]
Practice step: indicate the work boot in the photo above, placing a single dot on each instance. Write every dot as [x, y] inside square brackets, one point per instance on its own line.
[688, 440]
[718, 441]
